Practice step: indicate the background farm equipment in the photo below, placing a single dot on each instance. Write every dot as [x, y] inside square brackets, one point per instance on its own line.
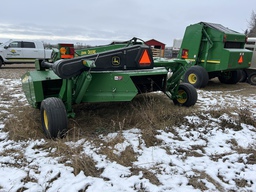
[112, 75]
[215, 51]
[249, 74]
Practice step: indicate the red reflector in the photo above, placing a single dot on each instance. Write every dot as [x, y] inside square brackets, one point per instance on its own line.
[67, 56]
[240, 60]
[184, 54]
[145, 59]
[71, 50]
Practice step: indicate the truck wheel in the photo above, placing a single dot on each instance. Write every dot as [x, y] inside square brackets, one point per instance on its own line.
[1, 62]
[230, 77]
[54, 117]
[186, 96]
[196, 76]
[252, 79]
[243, 76]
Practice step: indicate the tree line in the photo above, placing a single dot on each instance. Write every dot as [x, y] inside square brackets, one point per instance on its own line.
[251, 31]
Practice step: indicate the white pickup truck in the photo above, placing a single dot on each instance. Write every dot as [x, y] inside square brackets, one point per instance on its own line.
[17, 51]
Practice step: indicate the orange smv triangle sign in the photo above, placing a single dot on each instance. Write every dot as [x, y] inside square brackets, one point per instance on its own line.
[145, 60]
[240, 60]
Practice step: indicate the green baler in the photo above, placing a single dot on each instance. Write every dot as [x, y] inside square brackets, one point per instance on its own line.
[215, 51]
[108, 76]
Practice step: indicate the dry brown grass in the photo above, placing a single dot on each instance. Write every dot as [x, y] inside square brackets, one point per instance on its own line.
[197, 181]
[245, 116]
[146, 174]
[251, 154]
[125, 158]
[148, 112]
[17, 155]
[72, 156]
[24, 124]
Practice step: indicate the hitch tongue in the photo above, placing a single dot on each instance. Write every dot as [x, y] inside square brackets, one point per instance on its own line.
[46, 65]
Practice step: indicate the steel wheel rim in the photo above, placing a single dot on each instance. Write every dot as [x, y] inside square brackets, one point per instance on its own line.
[192, 78]
[253, 79]
[182, 96]
[46, 120]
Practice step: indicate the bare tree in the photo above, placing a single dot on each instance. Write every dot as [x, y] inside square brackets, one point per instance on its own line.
[251, 32]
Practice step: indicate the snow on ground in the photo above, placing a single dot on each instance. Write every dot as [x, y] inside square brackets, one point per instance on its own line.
[204, 154]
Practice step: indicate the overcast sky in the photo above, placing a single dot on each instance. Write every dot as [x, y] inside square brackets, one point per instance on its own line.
[98, 22]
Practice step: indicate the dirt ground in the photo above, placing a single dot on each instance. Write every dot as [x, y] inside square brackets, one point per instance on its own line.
[15, 71]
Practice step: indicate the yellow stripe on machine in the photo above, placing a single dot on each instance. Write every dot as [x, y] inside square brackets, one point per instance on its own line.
[208, 61]
[190, 59]
[211, 61]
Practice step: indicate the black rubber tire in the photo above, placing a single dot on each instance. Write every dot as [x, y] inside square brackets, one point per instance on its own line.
[243, 76]
[187, 95]
[53, 117]
[1, 62]
[205, 75]
[230, 77]
[196, 76]
[252, 79]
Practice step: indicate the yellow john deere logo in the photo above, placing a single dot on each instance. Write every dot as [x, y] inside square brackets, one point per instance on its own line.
[13, 51]
[115, 60]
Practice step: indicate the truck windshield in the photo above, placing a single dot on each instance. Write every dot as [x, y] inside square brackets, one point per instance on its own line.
[6, 43]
